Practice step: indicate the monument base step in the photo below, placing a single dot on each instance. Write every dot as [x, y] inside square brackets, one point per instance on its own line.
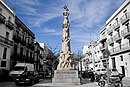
[69, 77]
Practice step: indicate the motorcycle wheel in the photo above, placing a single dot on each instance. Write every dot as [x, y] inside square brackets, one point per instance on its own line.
[101, 83]
[118, 84]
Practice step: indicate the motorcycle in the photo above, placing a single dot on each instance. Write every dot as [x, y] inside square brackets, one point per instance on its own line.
[97, 77]
[115, 81]
[102, 81]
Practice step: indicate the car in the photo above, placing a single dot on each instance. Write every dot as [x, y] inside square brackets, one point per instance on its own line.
[89, 74]
[30, 77]
[101, 71]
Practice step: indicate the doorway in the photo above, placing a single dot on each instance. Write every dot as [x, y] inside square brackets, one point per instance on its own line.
[113, 63]
[123, 70]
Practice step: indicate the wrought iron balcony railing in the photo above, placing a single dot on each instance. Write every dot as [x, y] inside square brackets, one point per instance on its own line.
[2, 19]
[6, 41]
[10, 25]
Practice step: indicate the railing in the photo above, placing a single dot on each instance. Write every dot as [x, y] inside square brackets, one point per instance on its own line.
[125, 31]
[116, 49]
[2, 19]
[102, 47]
[116, 37]
[112, 50]
[125, 46]
[125, 17]
[10, 25]
[110, 40]
[109, 30]
[116, 25]
[6, 41]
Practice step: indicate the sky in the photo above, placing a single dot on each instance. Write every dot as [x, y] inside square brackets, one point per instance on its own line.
[45, 18]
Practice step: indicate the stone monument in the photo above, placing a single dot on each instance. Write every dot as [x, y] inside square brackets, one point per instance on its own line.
[66, 73]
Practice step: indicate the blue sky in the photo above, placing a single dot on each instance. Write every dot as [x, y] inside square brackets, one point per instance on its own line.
[45, 18]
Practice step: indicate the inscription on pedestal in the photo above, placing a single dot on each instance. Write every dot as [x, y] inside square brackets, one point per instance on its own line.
[66, 76]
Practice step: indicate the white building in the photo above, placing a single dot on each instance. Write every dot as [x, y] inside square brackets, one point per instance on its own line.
[92, 56]
[7, 18]
[115, 36]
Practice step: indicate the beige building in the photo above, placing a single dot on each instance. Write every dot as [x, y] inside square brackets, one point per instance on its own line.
[7, 20]
[115, 36]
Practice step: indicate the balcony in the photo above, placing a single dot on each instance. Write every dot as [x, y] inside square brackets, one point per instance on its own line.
[102, 48]
[16, 38]
[110, 41]
[10, 25]
[125, 18]
[23, 42]
[117, 49]
[117, 37]
[124, 48]
[126, 32]
[109, 30]
[103, 38]
[6, 41]
[2, 19]
[116, 26]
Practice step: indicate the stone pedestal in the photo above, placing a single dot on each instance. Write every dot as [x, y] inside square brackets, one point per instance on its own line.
[66, 77]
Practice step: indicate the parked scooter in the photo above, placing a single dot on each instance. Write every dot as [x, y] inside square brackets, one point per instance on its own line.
[102, 81]
[116, 82]
[113, 82]
[97, 77]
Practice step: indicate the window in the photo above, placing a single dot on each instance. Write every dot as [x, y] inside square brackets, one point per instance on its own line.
[7, 35]
[125, 11]
[121, 58]
[120, 45]
[0, 10]
[129, 57]
[23, 37]
[116, 20]
[98, 69]
[96, 65]
[27, 53]
[30, 54]
[9, 18]
[15, 49]
[4, 53]
[118, 32]
[21, 51]
[3, 63]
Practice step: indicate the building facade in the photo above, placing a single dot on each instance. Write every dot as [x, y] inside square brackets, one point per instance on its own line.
[23, 47]
[92, 58]
[115, 36]
[7, 22]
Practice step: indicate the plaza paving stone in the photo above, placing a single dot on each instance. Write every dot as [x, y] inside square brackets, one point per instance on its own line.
[85, 83]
